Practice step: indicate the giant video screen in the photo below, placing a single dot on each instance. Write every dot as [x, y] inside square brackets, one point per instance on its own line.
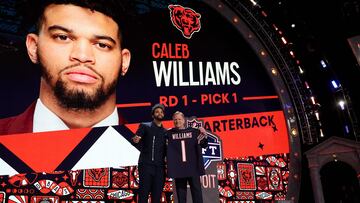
[185, 55]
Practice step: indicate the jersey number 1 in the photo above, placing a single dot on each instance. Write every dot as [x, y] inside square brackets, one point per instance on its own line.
[183, 151]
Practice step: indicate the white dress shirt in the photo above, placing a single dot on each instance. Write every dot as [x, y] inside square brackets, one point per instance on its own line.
[46, 120]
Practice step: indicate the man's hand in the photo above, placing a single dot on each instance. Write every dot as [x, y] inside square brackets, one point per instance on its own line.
[202, 130]
[203, 134]
[136, 139]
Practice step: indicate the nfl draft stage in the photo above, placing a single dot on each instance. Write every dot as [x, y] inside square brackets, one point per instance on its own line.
[217, 61]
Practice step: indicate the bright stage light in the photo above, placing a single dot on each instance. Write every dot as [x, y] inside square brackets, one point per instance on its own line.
[323, 64]
[335, 84]
[342, 104]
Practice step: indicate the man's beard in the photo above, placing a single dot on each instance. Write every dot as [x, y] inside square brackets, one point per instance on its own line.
[79, 100]
[159, 118]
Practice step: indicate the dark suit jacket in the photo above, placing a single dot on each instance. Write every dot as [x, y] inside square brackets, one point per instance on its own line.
[23, 123]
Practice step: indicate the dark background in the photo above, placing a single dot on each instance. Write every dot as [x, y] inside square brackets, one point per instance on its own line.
[320, 33]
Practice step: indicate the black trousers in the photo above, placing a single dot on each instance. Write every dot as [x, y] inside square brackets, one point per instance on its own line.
[151, 180]
[195, 188]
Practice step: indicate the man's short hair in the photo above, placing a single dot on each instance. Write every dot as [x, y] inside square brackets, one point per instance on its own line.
[178, 112]
[118, 10]
[157, 106]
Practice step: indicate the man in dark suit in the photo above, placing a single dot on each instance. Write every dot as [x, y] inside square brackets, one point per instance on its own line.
[150, 137]
[79, 47]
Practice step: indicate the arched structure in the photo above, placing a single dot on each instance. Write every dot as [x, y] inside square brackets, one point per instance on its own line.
[333, 149]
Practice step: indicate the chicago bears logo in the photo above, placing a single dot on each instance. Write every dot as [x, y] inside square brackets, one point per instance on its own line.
[246, 175]
[97, 173]
[185, 19]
